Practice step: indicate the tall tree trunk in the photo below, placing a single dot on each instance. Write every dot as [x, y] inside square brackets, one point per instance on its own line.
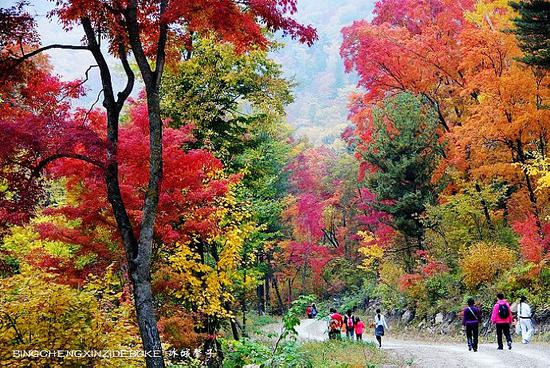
[289, 291]
[409, 264]
[485, 209]
[147, 321]
[278, 294]
[243, 305]
[267, 292]
[303, 282]
[261, 300]
[138, 252]
[142, 275]
[234, 329]
[531, 191]
[244, 310]
[212, 324]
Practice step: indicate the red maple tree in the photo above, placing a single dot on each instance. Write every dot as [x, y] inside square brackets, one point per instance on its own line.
[152, 31]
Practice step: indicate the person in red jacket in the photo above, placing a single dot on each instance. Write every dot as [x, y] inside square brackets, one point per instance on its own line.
[309, 311]
[359, 328]
[502, 318]
[335, 324]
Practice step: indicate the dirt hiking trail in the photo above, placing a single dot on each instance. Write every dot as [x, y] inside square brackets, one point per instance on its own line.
[424, 354]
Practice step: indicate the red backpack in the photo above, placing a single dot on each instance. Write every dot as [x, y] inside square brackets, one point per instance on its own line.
[350, 323]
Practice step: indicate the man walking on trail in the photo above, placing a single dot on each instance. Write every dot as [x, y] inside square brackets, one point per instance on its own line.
[524, 320]
[349, 322]
[502, 318]
[334, 325]
[471, 320]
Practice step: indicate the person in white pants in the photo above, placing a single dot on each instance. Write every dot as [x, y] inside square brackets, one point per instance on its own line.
[524, 320]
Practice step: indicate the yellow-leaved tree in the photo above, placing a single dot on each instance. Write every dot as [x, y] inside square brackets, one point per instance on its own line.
[371, 251]
[203, 274]
[483, 262]
[38, 314]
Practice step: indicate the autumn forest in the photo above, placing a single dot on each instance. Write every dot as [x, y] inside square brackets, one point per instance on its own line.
[176, 209]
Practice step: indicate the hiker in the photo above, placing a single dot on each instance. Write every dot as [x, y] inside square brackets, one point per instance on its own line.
[524, 320]
[334, 324]
[309, 310]
[349, 322]
[379, 325]
[471, 321]
[502, 318]
[313, 310]
[359, 328]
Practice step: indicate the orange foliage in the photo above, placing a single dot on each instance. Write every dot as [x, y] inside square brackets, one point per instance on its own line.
[409, 280]
[179, 331]
[504, 120]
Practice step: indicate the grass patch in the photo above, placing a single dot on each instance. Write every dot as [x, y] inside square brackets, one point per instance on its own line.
[260, 321]
[345, 354]
[264, 327]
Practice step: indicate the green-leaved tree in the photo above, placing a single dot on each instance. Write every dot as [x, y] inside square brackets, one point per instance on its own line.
[403, 153]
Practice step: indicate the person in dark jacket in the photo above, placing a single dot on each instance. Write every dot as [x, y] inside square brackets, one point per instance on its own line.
[349, 323]
[471, 320]
[313, 310]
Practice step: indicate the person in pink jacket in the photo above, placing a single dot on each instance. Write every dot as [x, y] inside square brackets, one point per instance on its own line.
[359, 328]
[502, 318]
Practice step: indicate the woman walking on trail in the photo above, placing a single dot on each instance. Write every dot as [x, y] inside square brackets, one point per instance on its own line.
[349, 322]
[524, 320]
[379, 326]
[334, 325]
[502, 318]
[471, 320]
[359, 328]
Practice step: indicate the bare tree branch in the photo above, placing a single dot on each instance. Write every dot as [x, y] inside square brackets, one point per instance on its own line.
[123, 95]
[42, 164]
[86, 78]
[94, 48]
[24, 57]
[132, 26]
[92, 107]
[163, 35]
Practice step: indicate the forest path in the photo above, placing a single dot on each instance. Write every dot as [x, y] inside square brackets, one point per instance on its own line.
[424, 354]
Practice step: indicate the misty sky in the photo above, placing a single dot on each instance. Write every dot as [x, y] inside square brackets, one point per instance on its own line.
[319, 110]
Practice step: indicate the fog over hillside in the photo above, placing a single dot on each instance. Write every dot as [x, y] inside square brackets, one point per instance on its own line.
[320, 108]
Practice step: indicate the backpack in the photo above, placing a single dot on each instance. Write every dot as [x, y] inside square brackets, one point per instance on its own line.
[350, 322]
[503, 311]
[334, 324]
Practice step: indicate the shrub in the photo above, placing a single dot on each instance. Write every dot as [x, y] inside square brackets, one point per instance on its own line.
[178, 330]
[442, 292]
[246, 351]
[387, 289]
[483, 262]
[37, 314]
[243, 352]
